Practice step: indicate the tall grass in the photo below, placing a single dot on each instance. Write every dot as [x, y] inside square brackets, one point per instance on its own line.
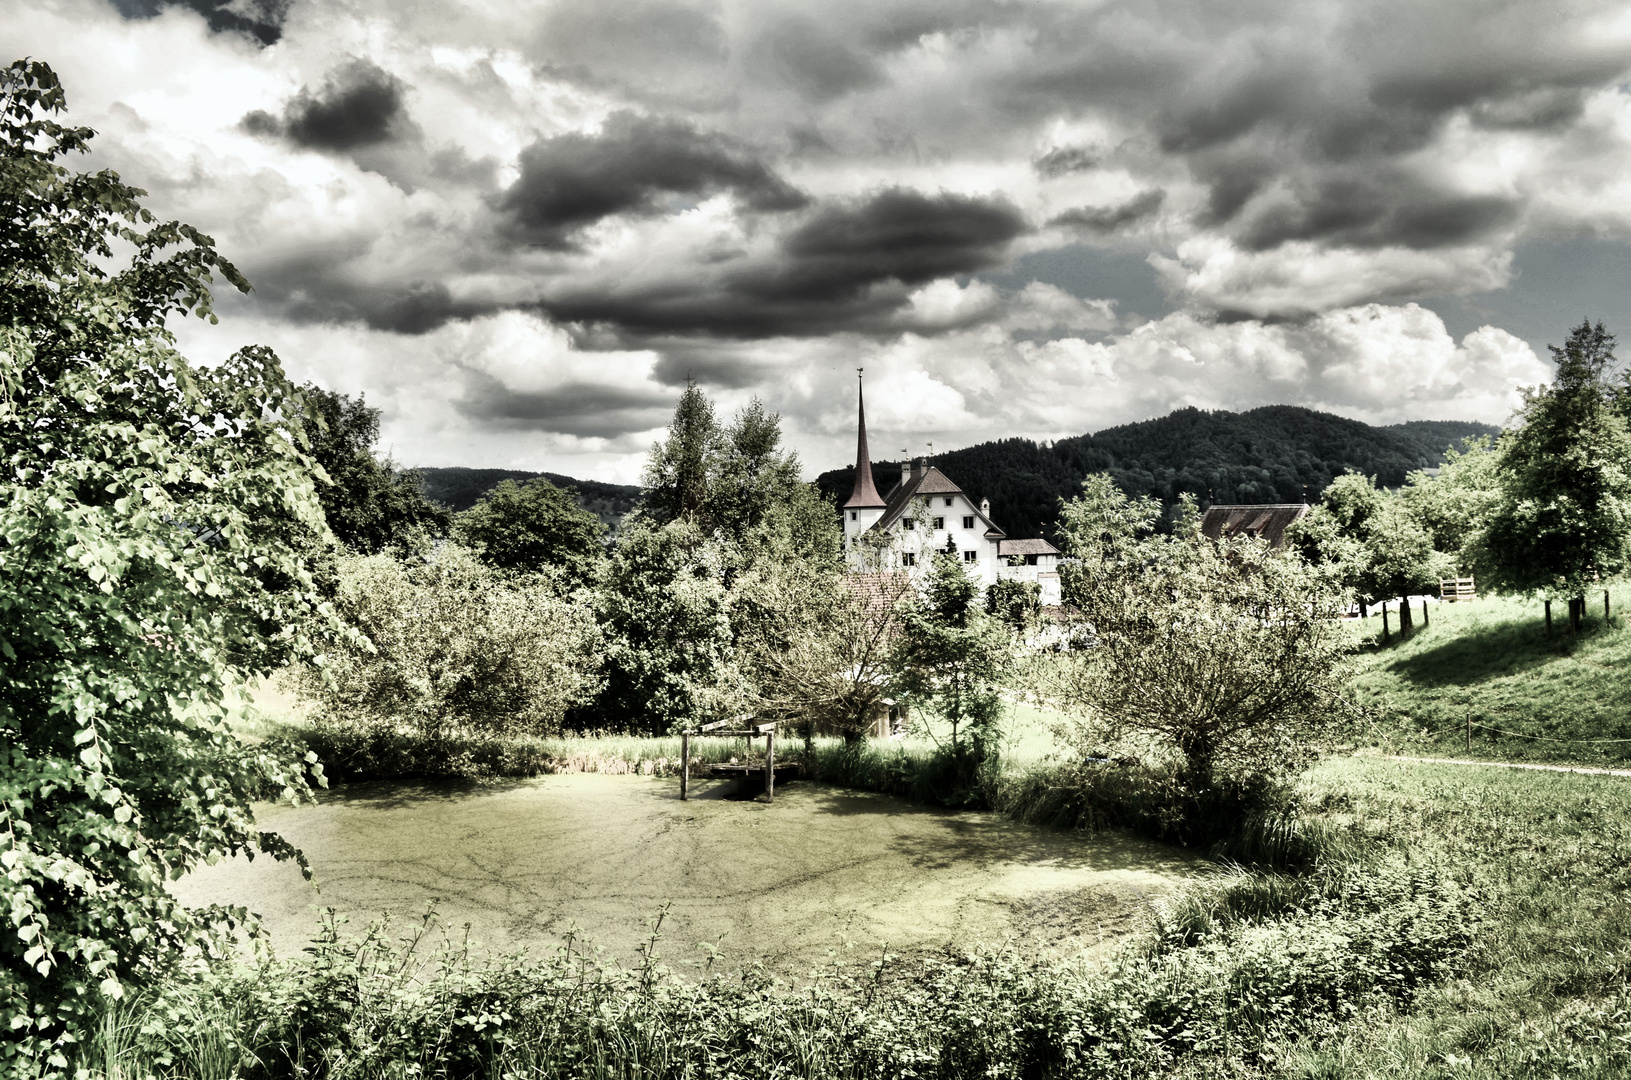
[1235, 995]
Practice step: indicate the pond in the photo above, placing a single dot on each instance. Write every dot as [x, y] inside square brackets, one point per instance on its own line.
[524, 863]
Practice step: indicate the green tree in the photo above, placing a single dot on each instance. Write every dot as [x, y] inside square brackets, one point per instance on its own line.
[1221, 660]
[1562, 519]
[370, 504]
[1016, 604]
[951, 658]
[451, 646]
[1374, 543]
[534, 525]
[680, 470]
[1455, 505]
[146, 572]
[1101, 530]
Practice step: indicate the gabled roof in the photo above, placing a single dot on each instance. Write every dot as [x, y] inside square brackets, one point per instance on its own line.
[1267, 522]
[926, 481]
[1026, 547]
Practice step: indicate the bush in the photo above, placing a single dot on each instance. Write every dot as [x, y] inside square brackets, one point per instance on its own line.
[452, 646]
[1230, 980]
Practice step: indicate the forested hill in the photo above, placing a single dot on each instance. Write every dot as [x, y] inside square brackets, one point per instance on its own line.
[1277, 453]
[459, 488]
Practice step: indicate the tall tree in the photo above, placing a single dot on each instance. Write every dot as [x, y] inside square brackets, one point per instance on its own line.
[370, 504]
[1562, 520]
[534, 526]
[1374, 543]
[679, 471]
[151, 515]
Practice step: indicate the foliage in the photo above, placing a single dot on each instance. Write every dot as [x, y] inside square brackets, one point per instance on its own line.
[1455, 505]
[369, 504]
[1562, 520]
[819, 649]
[665, 610]
[951, 658]
[1220, 655]
[726, 535]
[1373, 543]
[533, 525]
[151, 515]
[1278, 453]
[1014, 603]
[1228, 983]
[453, 645]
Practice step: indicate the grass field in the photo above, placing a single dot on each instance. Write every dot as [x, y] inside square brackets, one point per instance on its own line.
[1548, 992]
[1529, 697]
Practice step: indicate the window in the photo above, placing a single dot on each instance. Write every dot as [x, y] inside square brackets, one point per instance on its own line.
[940, 523]
[948, 500]
[908, 559]
[968, 521]
[908, 523]
[971, 556]
[853, 514]
[1030, 560]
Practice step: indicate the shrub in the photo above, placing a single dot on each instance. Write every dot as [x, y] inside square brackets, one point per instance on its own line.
[450, 645]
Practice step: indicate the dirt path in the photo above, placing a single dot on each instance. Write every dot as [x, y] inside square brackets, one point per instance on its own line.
[1514, 765]
[525, 862]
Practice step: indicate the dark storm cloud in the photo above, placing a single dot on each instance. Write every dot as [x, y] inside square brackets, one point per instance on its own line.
[260, 19]
[1107, 219]
[360, 105]
[581, 409]
[1371, 213]
[849, 266]
[1065, 160]
[574, 180]
[319, 289]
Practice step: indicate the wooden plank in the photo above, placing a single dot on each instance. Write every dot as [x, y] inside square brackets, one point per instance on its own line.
[685, 765]
[770, 765]
[716, 725]
[765, 729]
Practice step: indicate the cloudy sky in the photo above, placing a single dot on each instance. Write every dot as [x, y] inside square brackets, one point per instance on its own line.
[519, 228]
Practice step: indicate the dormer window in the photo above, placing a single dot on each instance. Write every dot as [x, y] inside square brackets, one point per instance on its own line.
[968, 521]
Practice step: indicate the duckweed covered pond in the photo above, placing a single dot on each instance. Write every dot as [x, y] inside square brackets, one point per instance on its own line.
[525, 863]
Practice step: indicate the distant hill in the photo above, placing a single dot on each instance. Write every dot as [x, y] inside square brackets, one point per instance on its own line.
[459, 489]
[1277, 453]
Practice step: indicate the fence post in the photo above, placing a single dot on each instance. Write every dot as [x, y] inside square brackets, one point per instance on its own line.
[1425, 622]
[685, 765]
[770, 765]
[1469, 733]
[1384, 624]
[1548, 618]
[1605, 605]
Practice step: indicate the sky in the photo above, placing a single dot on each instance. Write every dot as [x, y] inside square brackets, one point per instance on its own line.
[519, 229]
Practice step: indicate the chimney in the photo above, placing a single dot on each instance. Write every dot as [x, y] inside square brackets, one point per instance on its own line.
[865, 495]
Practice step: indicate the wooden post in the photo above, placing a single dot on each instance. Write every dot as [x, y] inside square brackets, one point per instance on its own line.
[1469, 733]
[1384, 624]
[1605, 605]
[1548, 618]
[770, 765]
[1424, 620]
[685, 765]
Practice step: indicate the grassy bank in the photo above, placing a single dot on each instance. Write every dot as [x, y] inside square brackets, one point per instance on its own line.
[1530, 697]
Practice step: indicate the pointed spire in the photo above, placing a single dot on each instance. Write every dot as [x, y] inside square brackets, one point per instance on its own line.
[865, 496]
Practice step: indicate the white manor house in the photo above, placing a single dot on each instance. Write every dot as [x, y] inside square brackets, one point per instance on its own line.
[925, 513]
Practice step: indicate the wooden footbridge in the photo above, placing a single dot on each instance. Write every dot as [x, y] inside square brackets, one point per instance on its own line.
[747, 772]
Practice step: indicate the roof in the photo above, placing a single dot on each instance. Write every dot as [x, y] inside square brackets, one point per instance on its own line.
[1266, 522]
[926, 480]
[1026, 547]
[865, 496]
[879, 590]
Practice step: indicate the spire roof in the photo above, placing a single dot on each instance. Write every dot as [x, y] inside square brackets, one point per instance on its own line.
[865, 496]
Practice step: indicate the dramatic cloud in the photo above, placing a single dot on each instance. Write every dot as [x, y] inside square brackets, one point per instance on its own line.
[521, 229]
[573, 180]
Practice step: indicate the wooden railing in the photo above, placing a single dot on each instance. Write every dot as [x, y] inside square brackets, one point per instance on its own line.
[1457, 588]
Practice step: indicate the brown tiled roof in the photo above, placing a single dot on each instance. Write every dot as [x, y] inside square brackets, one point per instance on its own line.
[927, 481]
[1266, 522]
[879, 589]
[1026, 547]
